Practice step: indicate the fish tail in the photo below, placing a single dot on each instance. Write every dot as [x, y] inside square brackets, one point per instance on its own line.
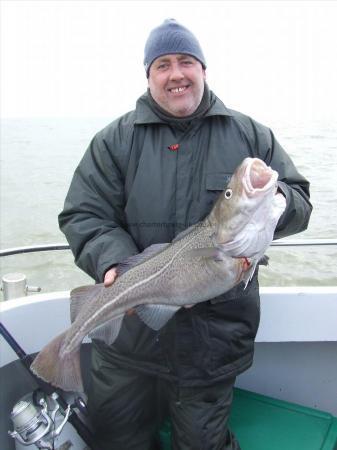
[60, 370]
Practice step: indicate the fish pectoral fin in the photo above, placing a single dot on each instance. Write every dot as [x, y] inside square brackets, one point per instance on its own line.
[248, 275]
[134, 260]
[109, 331]
[156, 316]
[80, 296]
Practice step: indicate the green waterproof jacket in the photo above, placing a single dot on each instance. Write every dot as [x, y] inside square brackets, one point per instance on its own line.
[142, 181]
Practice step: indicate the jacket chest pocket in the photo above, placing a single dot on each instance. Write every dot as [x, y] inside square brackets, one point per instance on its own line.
[215, 184]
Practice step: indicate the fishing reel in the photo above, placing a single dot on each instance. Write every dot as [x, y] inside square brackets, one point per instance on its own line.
[38, 422]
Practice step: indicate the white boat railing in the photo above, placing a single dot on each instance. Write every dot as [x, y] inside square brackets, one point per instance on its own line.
[278, 243]
[303, 242]
[14, 285]
[33, 249]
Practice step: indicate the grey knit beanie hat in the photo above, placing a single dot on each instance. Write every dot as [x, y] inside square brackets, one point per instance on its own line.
[171, 38]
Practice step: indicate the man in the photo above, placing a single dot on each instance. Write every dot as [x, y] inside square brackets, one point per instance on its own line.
[145, 178]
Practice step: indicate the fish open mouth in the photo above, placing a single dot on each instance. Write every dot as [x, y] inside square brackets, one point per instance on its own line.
[258, 176]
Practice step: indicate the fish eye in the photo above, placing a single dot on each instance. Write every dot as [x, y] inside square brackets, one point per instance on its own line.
[228, 193]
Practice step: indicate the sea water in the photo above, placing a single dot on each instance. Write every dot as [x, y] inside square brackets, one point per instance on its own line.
[39, 156]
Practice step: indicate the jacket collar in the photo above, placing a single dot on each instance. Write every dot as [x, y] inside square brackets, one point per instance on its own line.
[145, 115]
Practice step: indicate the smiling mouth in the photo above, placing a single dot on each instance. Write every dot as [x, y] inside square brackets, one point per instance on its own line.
[178, 90]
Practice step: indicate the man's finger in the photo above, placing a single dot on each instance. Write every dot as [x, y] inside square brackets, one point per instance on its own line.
[110, 277]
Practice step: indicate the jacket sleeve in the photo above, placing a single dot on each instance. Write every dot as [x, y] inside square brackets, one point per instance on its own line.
[93, 216]
[291, 183]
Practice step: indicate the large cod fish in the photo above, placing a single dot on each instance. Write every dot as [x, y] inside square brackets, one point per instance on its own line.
[202, 262]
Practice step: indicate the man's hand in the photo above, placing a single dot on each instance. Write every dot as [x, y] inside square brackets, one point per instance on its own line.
[109, 279]
[110, 276]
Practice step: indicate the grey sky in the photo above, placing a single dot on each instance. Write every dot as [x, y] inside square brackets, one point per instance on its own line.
[272, 60]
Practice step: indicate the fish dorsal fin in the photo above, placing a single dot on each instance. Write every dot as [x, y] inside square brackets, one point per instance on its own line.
[135, 260]
[80, 296]
[109, 331]
[156, 316]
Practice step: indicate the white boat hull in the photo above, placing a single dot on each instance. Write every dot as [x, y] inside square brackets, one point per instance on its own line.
[295, 356]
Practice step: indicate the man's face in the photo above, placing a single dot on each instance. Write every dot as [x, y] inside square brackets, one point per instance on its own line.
[176, 83]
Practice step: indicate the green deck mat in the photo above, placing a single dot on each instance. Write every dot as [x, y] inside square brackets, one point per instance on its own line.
[264, 423]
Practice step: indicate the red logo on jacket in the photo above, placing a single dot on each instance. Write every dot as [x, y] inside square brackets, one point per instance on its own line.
[173, 147]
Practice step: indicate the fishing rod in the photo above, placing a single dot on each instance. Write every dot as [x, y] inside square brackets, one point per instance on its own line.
[37, 425]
